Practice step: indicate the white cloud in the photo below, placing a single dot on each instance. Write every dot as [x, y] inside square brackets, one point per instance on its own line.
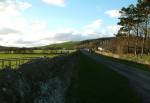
[36, 33]
[8, 5]
[113, 13]
[55, 2]
[93, 27]
[16, 30]
[95, 24]
[10, 13]
[113, 28]
[98, 28]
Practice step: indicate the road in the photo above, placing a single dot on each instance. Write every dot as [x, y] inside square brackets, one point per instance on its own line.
[139, 79]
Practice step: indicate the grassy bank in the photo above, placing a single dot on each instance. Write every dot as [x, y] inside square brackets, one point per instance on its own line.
[99, 84]
[131, 60]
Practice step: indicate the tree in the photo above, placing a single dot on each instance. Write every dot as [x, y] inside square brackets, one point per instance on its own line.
[127, 22]
[144, 7]
[135, 22]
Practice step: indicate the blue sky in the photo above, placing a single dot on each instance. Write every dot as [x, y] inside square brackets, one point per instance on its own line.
[76, 13]
[41, 22]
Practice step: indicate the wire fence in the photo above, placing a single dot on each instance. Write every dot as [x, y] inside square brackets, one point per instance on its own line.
[15, 62]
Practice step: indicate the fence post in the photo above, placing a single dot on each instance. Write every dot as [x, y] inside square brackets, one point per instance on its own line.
[19, 61]
[23, 61]
[16, 63]
[9, 63]
[3, 63]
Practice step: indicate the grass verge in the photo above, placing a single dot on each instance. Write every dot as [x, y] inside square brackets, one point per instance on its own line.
[127, 62]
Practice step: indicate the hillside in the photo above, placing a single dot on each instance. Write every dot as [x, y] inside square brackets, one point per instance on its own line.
[65, 45]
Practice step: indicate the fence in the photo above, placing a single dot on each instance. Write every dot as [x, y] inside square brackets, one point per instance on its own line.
[15, 62]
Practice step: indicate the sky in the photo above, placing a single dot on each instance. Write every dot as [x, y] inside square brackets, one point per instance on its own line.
[29, 23]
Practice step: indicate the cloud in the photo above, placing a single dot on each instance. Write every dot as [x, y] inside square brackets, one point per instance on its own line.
[10, 13]
[98, 28]
[93, 27]
[4, 31]
[13, 5]
[60, 3]
[16, 30]
[36, 33]
[113, 28]
[113, 13]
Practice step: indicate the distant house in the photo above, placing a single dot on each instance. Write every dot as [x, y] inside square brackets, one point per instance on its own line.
[100, 49]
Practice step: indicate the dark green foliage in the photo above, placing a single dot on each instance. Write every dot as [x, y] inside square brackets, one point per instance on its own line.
[134, 22]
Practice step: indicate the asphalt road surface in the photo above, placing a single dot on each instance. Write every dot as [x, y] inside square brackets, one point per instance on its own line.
[139, 79]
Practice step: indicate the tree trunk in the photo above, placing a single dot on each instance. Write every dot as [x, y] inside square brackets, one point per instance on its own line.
[128, 43]
[135, 47]
[136, 40]
[143, 45]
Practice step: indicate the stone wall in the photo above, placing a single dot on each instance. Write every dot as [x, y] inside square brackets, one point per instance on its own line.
[41, 81]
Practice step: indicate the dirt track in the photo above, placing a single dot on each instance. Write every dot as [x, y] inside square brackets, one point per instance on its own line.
[139, 79]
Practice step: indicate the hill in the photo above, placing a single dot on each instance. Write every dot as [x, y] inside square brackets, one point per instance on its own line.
[65, 45]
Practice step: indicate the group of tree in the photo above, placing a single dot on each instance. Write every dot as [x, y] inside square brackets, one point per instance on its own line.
[135, 27]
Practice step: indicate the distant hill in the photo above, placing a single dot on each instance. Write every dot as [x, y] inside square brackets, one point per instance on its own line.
[10, 48]
[2, 47]
[65, 45]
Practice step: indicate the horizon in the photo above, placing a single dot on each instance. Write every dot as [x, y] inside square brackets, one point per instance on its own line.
[26, 23]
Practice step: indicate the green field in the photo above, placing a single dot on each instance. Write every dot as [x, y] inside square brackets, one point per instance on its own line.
[66, 45]
[6, 56]
[98, 84]
[20, 59]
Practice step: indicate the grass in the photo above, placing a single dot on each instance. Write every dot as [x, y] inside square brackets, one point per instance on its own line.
[99, 84]
[128, 61]
[144, 59]
[5, 56]
[66, 45]
[15, 63]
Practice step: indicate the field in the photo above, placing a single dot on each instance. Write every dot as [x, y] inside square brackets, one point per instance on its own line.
[96, 83]
[14, 60]
[6, 56]
[41, 80]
